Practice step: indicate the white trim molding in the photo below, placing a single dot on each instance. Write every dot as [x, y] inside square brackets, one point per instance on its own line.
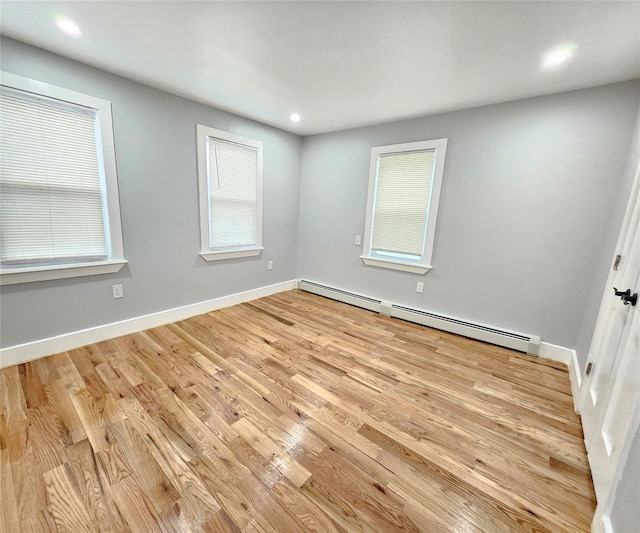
[560, 354]
[29, 351]
[11, 277]
[569, 357]
[204, 136]
[215, 256]
[107, 168]
[396, 265]
[407, 261]
[576, 380]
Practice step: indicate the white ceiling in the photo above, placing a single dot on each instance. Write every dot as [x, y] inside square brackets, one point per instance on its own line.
[341, 64]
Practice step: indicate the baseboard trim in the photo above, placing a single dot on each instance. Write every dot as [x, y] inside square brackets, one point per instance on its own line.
[569, 358]
[22, 353]
[554, 352]
[576, 380]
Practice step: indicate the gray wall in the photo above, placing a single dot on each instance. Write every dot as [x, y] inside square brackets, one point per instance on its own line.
[529, 203]
[608, 249]
[528, 190]
[155, 135]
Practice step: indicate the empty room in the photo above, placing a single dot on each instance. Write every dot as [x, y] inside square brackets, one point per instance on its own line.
[319, 266]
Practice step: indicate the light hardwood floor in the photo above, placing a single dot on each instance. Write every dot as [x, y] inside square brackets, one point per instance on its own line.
[292, 413]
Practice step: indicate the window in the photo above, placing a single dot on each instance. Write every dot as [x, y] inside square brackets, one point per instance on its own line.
[402, 207]
[59, 209]
[230, 174]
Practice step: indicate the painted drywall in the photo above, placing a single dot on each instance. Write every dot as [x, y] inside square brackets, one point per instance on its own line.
[528, 190]
[155, 141]
[608, 249]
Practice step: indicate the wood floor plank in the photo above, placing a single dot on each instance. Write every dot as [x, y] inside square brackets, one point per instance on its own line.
[60, 402]
[12, 400]
[9, 520]
[65, 503]
[45, 435]
[370, 498]
[291, 413]
[151, 469]
[32, 387]
[197, 502]
[471, 481]
[40, 521]
[136, 508]
[288, 466]
[93, 488]
[219, 481]
[262, 467]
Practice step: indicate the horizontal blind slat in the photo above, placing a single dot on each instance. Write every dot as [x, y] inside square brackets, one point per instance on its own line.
[403, 190]
[50, 185]
[232, 194]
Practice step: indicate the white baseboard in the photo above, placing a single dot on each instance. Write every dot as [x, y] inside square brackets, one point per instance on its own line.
[554, 352]
[576, 380]
[21, 353]
[569, 358]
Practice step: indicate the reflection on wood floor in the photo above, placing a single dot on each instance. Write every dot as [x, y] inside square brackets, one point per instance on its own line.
[292, 413]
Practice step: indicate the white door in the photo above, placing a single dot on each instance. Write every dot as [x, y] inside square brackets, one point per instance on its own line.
[610, 402]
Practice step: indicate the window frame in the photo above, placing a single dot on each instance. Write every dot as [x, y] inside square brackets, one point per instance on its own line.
[203, 133]
[423, 265]
[109, 187]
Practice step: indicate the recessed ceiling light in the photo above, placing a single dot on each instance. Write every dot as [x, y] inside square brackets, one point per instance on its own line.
[68, 27]
[295, 117]
[557, 56]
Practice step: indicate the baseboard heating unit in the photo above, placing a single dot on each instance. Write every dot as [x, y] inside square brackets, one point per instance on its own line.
[509, 339]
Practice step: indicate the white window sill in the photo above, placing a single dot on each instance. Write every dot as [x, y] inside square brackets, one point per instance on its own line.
[230, 254]
[416, 268]
[44, 273]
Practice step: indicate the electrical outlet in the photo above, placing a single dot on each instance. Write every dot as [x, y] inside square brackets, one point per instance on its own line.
[270, 265]
[117, 291]
[420, 287]
[358, 240]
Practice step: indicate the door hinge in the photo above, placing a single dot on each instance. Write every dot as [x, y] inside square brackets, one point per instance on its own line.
[616, 262]
[588, 370]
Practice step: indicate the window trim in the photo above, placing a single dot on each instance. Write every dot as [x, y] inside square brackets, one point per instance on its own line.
[229, 252]
[424, 264]
[106, 148]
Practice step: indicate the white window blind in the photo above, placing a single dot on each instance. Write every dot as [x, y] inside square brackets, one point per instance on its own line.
[51, 199]
[403, 191]
[402, 205]
[233, 213]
